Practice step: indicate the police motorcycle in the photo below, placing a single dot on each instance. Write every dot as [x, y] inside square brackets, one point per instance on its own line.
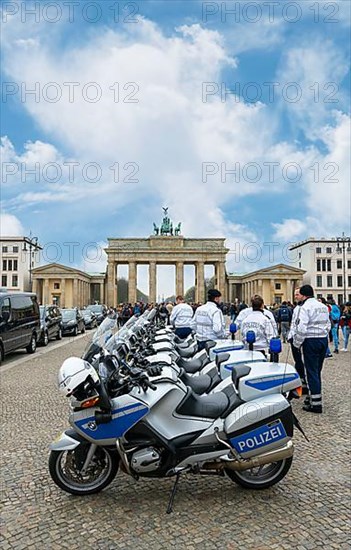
[153, 425]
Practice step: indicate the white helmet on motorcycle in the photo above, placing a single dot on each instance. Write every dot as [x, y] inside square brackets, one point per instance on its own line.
[74, 371]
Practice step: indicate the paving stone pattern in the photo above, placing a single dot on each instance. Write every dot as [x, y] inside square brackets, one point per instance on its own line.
[309, 509]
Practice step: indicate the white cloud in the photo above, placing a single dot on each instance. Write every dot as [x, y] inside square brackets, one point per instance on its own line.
[10, 226]
[288, 230]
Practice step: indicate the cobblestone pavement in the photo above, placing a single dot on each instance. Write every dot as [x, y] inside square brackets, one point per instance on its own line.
[308, 509]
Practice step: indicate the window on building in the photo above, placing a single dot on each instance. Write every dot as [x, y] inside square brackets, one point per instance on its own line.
[278, 286]
[15, 249]
[330, 297]
[329, 281]
[14, 280]
[4, 280]
[329, 265]
[4, 265]
[340, 299]
[9, 265]
[328, 250]
[318, 265]
[323, 265]
[339, 280]
[56, 286]
[319, 296]
[349, 280]
[15, 265]
[339, 264]
[277, 299]
[4, 248]
[319, 282]
[299, 255]
[300, 264]
[348, 264]
[318, 250]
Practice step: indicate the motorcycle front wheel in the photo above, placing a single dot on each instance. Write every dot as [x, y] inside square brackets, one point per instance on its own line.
[261, 477]
[101, 471]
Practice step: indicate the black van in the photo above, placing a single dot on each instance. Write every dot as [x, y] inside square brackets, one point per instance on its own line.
[19, 322]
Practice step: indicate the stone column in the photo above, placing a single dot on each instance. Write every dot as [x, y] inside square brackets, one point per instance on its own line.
[63, 292]
[35, 286]
[152, 282]
[132, 282]
[272, 292]
[179, 279]
[111, 284]
[102, 298]
[46, 291]
[221, 280]
[75, 297]
[200, 283]
[288, 296]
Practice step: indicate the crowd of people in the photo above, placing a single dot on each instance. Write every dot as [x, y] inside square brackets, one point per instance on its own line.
[309, 325]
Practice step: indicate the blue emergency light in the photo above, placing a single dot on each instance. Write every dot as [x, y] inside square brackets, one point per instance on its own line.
[233, 328]
[250, 337]
[275, 345]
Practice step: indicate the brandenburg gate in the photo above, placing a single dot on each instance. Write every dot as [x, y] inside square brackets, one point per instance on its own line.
[166, 247]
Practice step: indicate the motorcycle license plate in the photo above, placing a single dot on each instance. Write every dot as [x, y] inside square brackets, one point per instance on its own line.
[260, 437]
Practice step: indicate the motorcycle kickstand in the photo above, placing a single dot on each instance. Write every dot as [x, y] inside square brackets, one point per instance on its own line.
[172, 495]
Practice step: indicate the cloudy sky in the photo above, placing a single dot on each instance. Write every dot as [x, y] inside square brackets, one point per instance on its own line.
[234, 115]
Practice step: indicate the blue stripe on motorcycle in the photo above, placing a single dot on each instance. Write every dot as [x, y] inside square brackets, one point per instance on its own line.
[263, 384]
[117, 427]
[223, 350]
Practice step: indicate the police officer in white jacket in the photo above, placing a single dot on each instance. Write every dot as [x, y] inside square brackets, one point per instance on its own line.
[248, 310]
[181, 317]
[310, 331]
[208, 321]
[260, 324]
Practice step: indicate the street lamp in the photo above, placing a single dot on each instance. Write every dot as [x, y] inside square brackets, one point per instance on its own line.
[343, 240]
[33, 243]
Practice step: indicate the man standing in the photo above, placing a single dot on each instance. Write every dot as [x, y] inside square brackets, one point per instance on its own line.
[248, 310]
[296, 353]
[208, 321]
[181, 317]
[284, 316]
[260, 324]
[310, 331]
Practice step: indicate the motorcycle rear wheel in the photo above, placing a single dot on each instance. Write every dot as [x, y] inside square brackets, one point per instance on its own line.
[101, 471]
[261, 477]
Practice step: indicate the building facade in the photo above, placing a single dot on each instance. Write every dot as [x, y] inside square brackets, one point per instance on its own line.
[67, 287]
[275, 284]
[18, 257]
[327, 266]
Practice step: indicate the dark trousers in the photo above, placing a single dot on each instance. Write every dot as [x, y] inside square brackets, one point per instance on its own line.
[182, 332]
[299, 366]
[314, 350]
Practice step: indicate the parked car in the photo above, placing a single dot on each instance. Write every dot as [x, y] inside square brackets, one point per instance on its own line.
[19, 322]
[89, 318]
[72, 322]
[50, 324]
[99, 310]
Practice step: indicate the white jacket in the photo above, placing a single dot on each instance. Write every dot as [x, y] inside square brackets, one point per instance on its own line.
[181, 315]
[248, 310]
[262, 327]
[208, 322]
[311, 321]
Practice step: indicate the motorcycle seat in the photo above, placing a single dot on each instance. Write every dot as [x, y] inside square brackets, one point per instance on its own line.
[191, 365]
[199, 384]
[185, 352]
[221, 358]
[238, 372]
[203, 406]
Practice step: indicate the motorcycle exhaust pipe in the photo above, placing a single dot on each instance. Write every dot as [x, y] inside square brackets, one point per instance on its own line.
[266, 458]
